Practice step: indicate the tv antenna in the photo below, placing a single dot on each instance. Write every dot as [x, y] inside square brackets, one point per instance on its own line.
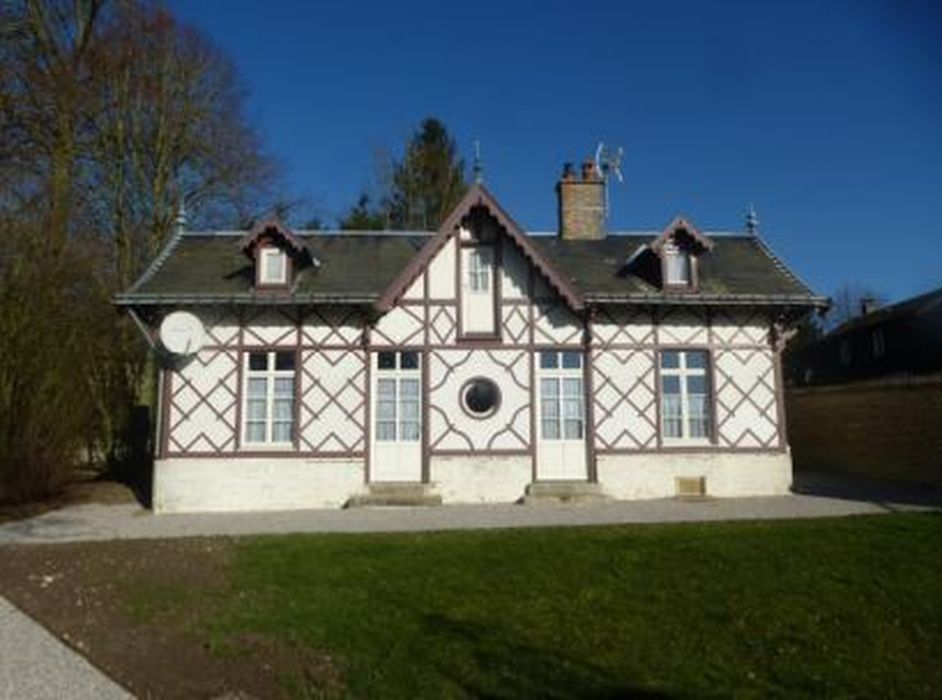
[608, 162]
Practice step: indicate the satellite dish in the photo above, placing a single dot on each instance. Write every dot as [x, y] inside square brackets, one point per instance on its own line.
[181, 333]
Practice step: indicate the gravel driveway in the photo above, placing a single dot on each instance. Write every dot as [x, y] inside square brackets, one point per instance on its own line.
[816, 496]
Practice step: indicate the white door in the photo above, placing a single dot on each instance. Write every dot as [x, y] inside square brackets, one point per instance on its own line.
[561, 426]
[477, 290]
[397, 417]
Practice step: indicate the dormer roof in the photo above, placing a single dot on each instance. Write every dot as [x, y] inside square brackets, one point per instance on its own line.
[272, 230]
[683, 229]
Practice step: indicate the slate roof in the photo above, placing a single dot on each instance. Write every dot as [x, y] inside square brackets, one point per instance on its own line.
[357, 267]
[739, 267]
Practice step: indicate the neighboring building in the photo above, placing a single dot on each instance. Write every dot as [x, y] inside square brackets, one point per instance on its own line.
[473, 364]
[897, 340]
[867, 397]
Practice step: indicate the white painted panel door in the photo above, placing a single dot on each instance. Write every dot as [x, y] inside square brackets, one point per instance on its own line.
[561, 449]
[477, 290]
[396, 453]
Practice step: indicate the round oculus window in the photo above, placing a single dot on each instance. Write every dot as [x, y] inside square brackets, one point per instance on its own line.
[480, 397]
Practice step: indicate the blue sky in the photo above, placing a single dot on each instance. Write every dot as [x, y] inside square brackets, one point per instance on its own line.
[826, 115]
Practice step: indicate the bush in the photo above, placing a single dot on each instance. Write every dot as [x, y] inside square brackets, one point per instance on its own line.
[54, 321]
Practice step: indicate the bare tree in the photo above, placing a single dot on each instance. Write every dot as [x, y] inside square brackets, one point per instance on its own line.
[849, 301]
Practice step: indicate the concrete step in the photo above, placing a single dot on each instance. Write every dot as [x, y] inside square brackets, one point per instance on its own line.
[396, 494]
[563, 492]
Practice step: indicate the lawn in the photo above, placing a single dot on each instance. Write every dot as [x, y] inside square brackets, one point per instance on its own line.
[837, 607]
[832, 607]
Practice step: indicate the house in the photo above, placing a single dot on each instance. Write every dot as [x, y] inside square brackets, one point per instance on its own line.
[476, 363]
[896, 340]
[867, 397]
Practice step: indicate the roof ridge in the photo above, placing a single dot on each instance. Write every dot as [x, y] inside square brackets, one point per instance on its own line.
[158, 262]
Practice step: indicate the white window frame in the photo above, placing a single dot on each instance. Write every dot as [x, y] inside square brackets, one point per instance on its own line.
[560, 377]
[672, 253]
[264, 255]
[479, 272]
[682, 372]
[269, 374]
[398, 376]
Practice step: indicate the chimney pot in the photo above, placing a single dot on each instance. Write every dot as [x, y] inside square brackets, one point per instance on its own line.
[588, 171]
[569, 172]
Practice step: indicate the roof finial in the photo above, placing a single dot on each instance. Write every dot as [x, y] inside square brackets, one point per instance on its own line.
[180, 219]
[752, 221]
[478, 168]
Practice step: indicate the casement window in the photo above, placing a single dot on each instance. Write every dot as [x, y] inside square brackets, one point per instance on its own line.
[562, 413]
[397, 396]
[677, 267]
[479, 271]
[273, 266]
[269, 398]
[685, 396]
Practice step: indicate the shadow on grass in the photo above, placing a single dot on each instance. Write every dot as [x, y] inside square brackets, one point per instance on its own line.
[497, 665]
[854, 487]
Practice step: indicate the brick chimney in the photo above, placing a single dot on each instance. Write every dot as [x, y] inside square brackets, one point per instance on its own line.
[581, 203]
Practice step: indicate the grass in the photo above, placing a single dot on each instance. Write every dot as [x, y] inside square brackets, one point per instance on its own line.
[843, 607]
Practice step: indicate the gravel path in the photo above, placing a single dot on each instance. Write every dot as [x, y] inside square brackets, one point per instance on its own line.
[34, 665]
[126, 521]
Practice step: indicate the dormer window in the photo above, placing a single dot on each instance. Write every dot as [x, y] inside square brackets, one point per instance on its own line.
[272, 266]
[676, 267]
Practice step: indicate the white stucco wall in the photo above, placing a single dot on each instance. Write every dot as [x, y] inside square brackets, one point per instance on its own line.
[254, 483]
[728, 474]
[481, 479]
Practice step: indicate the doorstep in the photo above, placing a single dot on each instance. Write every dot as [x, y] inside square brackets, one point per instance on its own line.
[395, 494]
[563, 492]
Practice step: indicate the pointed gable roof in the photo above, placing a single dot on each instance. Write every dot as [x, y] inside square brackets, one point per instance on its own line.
[681, 225]
[479, 196]
[272, 228]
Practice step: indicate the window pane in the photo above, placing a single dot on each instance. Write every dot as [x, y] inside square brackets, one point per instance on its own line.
[549, 388]
[258, 361]
[409, 388]
[387, 360]
[670, 384]
[409, 360]
[573, 429]
[678, 268]
[256, 409]
[698, 416]
[550, 430]
[385, 409]
[386, 388]
[572, 408]
[696, 360]
[284, 361]
[549, 409]
[670, 359]
[409, 410]
[281, 432]
[572, 388]
[258, 387]
[386, 431]
[283, 410]
[255, 432]
[274, 266]
[549, 359]
[671, 416]
[696, 384]
[572, 360]
[284, 386]
[409, 431]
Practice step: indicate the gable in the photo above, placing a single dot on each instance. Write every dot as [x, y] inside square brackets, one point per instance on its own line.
[479, 202]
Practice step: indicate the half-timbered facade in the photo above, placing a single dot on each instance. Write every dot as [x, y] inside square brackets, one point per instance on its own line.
[472, 364]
